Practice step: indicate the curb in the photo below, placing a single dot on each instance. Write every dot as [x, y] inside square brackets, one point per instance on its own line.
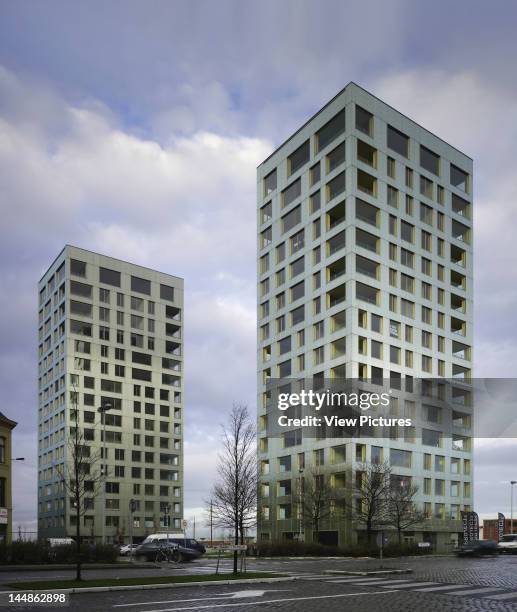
[171, 585]
[66, 566]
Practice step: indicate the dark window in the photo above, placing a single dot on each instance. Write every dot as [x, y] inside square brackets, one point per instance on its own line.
[2, 492]
[336, 186]
[397, 141]
[77, 268]
[331, 130]
[81, 308]
[429, 160]
[291, 218]
[78, 327]
[140, 285]
[459, 178]
[299, 157]
[291, 193]
[336, 157]
[139, 374]
[297, 315]
[270, 182]
[142, 358]
[167, 293]
[363, 120]
[109, 277]
[77, 288]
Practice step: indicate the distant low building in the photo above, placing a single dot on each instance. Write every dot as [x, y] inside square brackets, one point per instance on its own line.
[6, 503]
[490, 528]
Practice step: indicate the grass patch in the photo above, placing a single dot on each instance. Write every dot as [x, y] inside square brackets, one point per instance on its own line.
[71, 584]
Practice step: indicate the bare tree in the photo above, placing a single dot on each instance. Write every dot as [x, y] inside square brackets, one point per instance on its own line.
[402, 512]
[372, 487]
[318, 499]
[79, 477]
[234, 496]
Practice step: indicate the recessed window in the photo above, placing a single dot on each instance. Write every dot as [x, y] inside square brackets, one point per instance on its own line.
[367, 183]
[331, 130]
[397, 141]
[366, 154]
[366, 212]
[109, 277]
[459, 178]
[292, 192]
[270, 183]
[80, 289]
[167, 293]
[140, 285]
[266, 212]
[429, 161]
[315, 173]
[299, 157]
[363, 120]
[336, 186]
[291, 219]
[78, 268]
[336, 157]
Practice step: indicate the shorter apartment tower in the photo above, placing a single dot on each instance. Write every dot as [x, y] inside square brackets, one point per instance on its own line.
[110, 338]
[365, 273]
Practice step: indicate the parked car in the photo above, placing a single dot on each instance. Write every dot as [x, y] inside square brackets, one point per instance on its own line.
[126, 549]
[152, 545]
[189, 543]
[477, 548]
[508, 544]
[60, 542]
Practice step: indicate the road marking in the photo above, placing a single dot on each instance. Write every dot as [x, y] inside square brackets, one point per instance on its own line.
[410, 585]
[476, 591]
[233, 595]
[444, 587]
[511, 595]
[267, 601]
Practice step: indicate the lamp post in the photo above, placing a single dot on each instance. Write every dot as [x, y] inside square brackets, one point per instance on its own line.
[512, 482]
[300, 504]
[102, 410]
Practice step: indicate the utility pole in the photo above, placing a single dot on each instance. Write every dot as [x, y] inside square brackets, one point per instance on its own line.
[512, 482]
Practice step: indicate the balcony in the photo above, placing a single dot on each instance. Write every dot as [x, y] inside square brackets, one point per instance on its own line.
[336, 215]
[336, 269]
[366, 240]
[367, 212]
[336, 296]
[458, 256]
[336, 243]
[367, 267]
[366, 293]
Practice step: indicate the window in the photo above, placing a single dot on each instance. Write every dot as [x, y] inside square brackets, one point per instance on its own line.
[336, 157]
[409, 177]
[104, 314]
[426, 214]
[78, 268]
[407, 283]
[406, 258]
[366, 212]
[298, 158]
[270, 182]
[397, 141]
[78, 327]
[459, 178]
[426, 187]
[297, 267]
[315, 173]
[291, 219]
[429, 161]
[331, 130]
[336, 186]
[297, 315]
[80, 289]
[81, 308]
[140, 285]
[366, 183]
[366, 154]
[297, 291]
[109, 277]
[400, 458]
[390, 167]
[167, 293]
[406, 231]
[363, 120]
[297, 241]
[289, 194]
[266, 212]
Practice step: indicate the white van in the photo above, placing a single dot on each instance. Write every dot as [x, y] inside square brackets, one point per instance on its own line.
[508, 543]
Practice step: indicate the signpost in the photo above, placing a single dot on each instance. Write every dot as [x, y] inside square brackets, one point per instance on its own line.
[382, 540]
[184, 525]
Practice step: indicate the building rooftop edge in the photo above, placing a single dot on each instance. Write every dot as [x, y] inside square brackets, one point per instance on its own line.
[103, 255]
[373, 96]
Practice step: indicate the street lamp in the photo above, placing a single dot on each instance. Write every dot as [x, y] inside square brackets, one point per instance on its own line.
[102, 410]
[512, 482]
[300, 504]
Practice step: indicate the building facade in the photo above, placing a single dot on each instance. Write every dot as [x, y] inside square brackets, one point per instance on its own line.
[364, 272]
[491, 528]
[6, 462]
[110, 336]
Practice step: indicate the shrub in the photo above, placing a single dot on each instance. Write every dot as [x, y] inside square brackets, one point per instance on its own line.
[40, 552]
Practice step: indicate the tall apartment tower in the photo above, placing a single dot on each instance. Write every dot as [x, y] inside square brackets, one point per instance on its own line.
[365, 271]
[110, 334]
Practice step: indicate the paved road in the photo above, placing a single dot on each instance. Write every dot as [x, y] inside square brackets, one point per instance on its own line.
[448, 584]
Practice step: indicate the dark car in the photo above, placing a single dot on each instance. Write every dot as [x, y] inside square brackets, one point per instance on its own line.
[477, 548]
[154, 544]
[189, 543]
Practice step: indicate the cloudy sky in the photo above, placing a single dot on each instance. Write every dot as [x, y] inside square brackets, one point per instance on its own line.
[134, 129]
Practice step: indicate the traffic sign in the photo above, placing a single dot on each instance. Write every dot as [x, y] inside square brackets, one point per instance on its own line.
[382, 540]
